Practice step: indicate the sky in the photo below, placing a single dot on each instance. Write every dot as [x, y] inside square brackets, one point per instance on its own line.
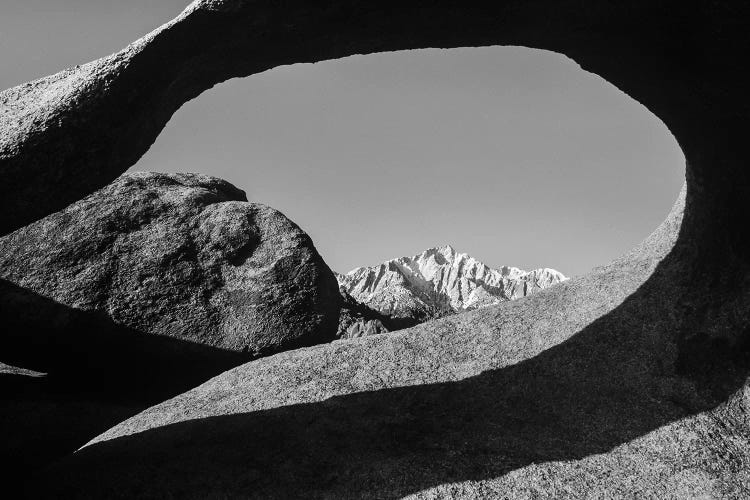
[513, 155]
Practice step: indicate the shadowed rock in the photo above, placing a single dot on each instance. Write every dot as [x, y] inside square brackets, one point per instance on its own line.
[566, 393]
[68, 134]
[631, 381]
[109, 373]
[183, 256]
[139, 292]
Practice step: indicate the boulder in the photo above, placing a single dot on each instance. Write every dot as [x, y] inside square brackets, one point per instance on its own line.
[183, 257]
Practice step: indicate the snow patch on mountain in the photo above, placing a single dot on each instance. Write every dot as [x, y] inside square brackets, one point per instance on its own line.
[438, 282]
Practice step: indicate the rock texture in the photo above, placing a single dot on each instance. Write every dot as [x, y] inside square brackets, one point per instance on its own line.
[181, 256]
[628, 382]
[68, 134]
[439, 282]
[566, 394]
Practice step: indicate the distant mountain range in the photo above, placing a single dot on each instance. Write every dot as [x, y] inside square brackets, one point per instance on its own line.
[438, 282]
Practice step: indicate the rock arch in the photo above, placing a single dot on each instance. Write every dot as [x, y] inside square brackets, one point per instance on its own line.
[69, 133]
[666, 324]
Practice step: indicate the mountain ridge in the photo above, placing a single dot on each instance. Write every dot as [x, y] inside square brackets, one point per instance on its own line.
[440, 281]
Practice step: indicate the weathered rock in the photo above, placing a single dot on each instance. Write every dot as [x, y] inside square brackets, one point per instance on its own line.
[631, 382]
[68, 134]
[438, 282]
[566, 393]
[182, 256]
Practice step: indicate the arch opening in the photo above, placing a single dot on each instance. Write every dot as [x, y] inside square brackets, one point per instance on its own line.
[513, 155]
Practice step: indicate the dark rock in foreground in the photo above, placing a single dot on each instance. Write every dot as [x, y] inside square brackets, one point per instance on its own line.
[139, 292]
[180, 256]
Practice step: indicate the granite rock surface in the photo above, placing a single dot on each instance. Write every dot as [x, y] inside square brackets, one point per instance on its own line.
[629, 382]
[564, 394]
[179, 256]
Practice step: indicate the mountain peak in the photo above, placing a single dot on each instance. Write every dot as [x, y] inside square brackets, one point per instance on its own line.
[446, 250]
[440, 280]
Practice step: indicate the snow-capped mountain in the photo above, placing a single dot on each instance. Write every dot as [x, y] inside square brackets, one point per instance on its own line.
[440, 281]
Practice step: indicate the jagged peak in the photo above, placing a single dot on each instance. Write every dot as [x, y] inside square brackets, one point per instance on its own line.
[453, 258]
[447, 256]
[438, 278]
[445, 250]
[549, 271]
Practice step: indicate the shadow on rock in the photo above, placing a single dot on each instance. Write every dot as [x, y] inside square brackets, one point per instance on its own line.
[612, 382]
[96, 373]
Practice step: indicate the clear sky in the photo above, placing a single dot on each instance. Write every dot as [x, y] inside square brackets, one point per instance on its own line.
[515, 156]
